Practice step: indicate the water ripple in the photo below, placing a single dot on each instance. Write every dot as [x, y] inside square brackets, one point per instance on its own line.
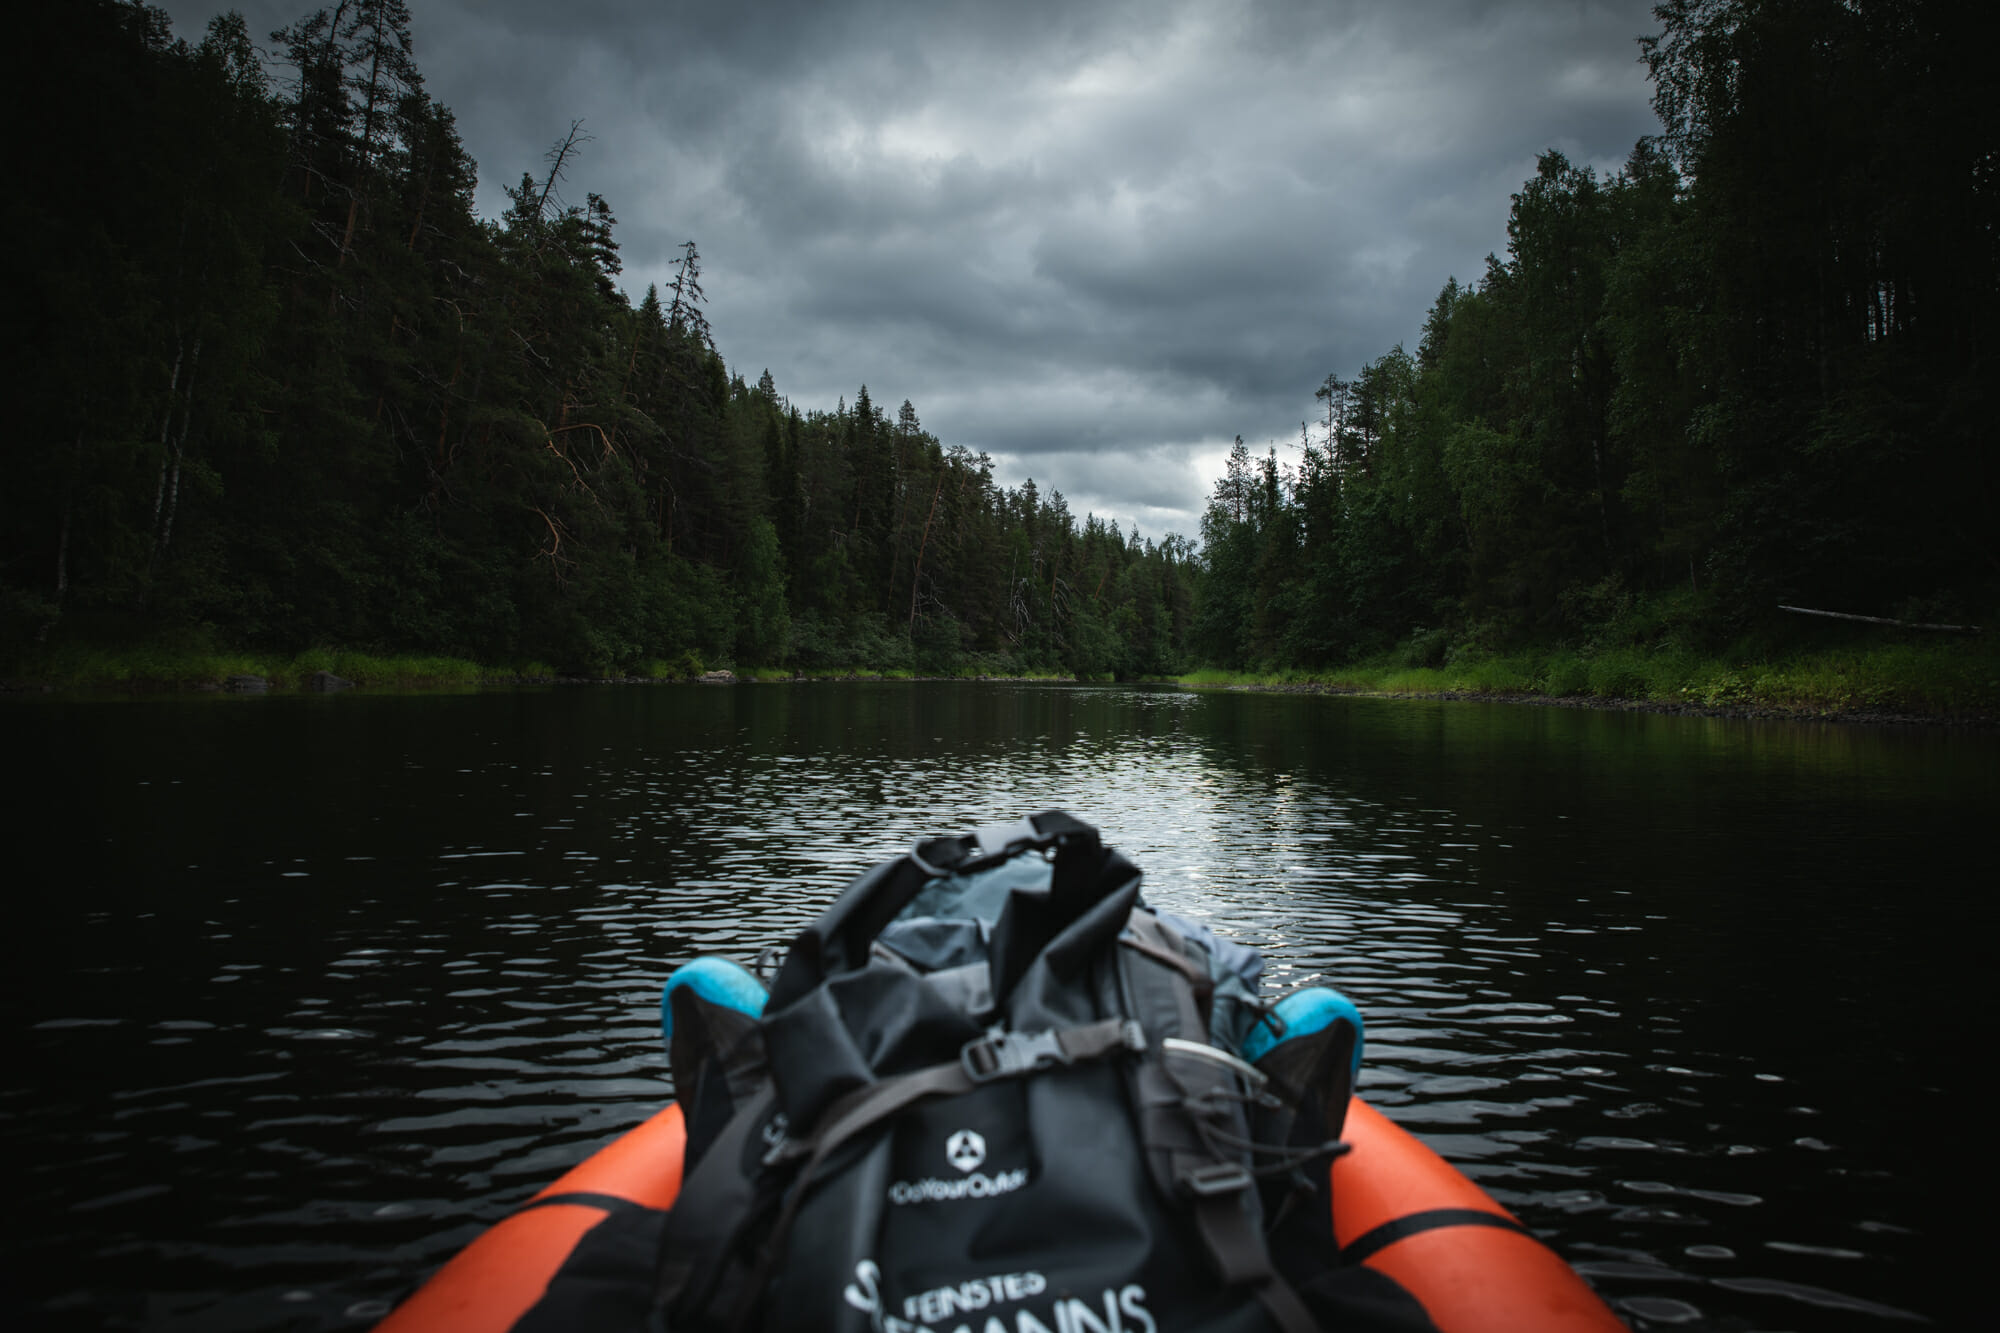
[390, 1022]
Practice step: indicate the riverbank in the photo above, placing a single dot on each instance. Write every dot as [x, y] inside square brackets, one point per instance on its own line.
[1748, 712]
[161, 671]
[1952, 683]
[1955, 684]
[152, 670]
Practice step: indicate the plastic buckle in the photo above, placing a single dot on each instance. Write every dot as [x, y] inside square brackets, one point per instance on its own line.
[785, 1149]
[1003, 1054]
[1216, 1178]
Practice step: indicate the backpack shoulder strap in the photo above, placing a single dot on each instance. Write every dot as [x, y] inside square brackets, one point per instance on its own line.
[1189, 1102]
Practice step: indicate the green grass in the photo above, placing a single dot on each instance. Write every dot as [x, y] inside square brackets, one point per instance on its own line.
[1491, 676]
[1943, 679]
[81, 668]
[920, 673]
[1940, 678]
[368, 670]
[1913, 678]
[832, 673]
[1219, 676]
[85, 668]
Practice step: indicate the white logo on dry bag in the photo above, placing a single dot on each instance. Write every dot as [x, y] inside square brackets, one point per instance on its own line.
[965, 1150]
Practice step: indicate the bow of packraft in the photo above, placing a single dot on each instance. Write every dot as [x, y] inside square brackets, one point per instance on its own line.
[991, 1090]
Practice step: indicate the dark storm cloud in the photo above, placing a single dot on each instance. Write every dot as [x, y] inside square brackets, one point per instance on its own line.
[1096, 240]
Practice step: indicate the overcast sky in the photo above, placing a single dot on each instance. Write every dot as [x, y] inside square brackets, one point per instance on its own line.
[1096, 240]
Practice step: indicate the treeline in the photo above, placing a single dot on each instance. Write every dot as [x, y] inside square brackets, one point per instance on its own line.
[282, 387]
[1749, 369]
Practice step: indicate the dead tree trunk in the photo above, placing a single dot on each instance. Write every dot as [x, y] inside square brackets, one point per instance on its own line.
[166, 425]
[166, 531]
[1880, 620]
[916, 575]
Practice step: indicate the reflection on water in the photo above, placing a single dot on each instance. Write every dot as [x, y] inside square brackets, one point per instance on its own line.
[312, 990]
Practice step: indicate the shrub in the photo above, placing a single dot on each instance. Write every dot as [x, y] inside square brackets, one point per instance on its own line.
[1426, 648]
[1566, 675]
[1618, 675]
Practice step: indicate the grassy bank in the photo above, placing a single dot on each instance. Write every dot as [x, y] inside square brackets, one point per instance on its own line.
[155, 668]
[1956, 680]
[81, 668]
[1944, 680]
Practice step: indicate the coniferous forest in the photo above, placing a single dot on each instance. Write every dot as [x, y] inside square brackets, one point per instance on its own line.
[284, 388]
[1746, 370]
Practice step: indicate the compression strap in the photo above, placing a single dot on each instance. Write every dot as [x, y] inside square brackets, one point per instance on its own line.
[982, 1060]
[1222, 1196]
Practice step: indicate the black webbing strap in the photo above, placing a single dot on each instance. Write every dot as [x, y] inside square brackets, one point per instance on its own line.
[996, 1055]
[867, 1106]
[1234, 1235]
[1179, 1102]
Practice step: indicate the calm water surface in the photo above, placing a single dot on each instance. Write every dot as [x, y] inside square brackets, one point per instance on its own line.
[307, 991]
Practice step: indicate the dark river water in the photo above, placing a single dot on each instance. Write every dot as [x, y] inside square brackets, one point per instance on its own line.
[305, 991]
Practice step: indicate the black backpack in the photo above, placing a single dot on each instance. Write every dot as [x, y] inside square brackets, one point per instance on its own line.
[992, 1091]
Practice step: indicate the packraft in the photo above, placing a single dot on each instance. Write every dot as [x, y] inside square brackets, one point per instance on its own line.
[992, 1089]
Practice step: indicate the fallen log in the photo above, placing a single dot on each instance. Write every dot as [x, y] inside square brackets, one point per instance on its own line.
[1880, 620]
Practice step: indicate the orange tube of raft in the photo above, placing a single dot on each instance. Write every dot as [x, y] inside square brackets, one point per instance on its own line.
[1404, 1211]
[1397, 1207]
[492, 1282]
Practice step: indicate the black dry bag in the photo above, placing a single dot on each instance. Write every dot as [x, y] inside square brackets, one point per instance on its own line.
[992, 1091]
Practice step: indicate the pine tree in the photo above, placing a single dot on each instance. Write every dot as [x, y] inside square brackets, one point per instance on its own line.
[684, 312]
